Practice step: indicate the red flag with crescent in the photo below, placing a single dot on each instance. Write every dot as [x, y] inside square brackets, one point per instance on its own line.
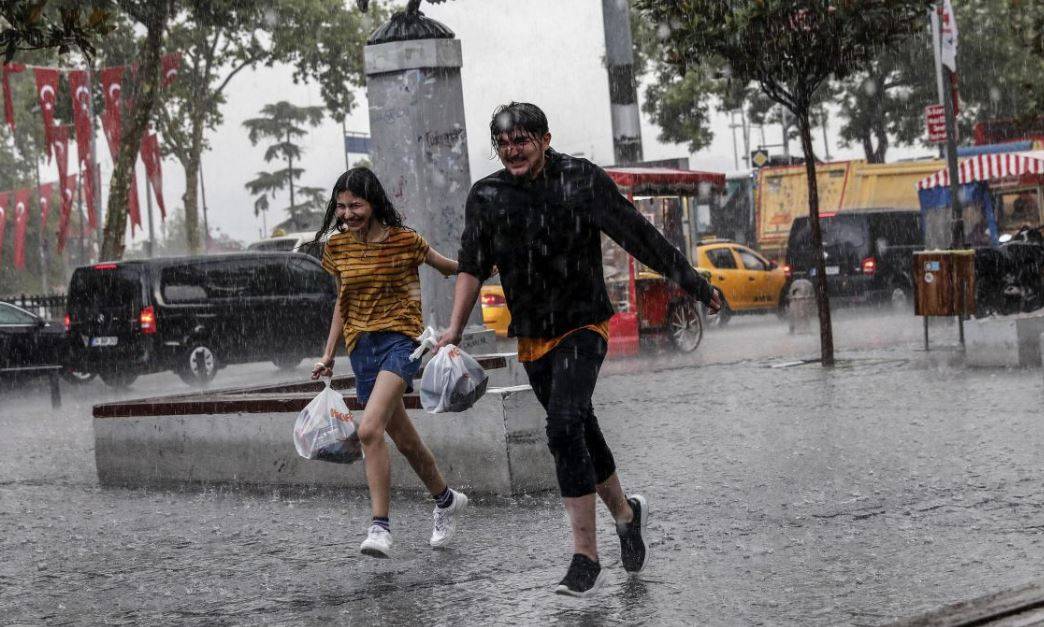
[68, 193]
[150, 156]
[21, 216]
[171, 63]
[112, 87]
[47, 91]
[61, 150]
[10, 68]
[80, 89]
[44, 194]
[5, 197]
[88, 193]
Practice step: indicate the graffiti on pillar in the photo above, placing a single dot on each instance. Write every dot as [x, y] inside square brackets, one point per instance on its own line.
[399, 187]
[447, 139]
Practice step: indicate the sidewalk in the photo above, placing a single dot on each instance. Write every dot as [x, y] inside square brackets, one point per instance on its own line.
[897, 482]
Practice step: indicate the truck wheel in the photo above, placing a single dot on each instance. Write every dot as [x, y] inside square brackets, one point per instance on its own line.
[287, 362]
[685, 326]
[198, 365]
[118, 379]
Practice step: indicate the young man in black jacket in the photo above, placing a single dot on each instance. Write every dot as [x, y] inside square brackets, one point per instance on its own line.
[539, 221]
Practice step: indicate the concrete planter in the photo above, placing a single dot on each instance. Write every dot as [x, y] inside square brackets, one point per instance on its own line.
[1004, 341]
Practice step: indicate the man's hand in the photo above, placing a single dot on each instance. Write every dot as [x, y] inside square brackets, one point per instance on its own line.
[715, 303]
[449, 336]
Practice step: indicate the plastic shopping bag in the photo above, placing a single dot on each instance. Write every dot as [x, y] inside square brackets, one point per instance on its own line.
[452, 381]
[325, 430]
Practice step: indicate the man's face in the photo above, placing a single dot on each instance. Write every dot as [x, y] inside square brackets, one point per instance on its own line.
[521, 153]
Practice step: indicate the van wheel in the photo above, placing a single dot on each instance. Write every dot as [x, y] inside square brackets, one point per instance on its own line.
[899, 297]
[685, 326]
[118, 379]
[77, 377]
[287, 362]
[198, 365]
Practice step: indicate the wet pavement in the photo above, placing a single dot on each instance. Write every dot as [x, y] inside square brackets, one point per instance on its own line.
[780, 493]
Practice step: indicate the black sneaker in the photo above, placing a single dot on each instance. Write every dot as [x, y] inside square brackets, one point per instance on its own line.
[632, 544]
[583, 579]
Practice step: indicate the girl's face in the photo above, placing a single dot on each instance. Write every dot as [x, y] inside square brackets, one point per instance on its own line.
[353, 212]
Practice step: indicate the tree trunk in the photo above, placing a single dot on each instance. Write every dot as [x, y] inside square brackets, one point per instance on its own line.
[191, 195]
[130, 143]
[826, 335]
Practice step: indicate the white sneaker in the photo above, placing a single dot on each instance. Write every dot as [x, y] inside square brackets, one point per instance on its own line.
[446, 520]
[378, 542]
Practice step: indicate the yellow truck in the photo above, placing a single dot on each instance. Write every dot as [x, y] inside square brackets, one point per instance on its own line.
[782, 194]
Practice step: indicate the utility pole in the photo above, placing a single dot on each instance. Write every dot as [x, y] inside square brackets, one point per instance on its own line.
[826, 139]
[151, 245]
[203, 199]
[944, 81]
[623, 96]
[93, 170]
[43, 235]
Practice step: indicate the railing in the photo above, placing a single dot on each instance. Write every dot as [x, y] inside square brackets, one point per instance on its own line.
[47, 307]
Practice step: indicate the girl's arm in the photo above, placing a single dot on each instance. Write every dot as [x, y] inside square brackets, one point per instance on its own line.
[440, 263]
[324, 367]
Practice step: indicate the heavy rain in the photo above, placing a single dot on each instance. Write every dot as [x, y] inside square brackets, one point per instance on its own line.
[522, 312]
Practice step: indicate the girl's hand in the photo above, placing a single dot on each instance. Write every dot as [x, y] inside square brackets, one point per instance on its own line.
[323, 368]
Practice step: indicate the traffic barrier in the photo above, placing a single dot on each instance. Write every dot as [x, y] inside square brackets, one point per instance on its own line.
[1004, 341]
[243, 437]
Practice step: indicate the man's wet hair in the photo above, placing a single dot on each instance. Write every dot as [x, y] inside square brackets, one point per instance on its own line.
[517, 116]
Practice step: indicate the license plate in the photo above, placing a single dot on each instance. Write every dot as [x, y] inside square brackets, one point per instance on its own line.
[104, 341]
[832, 270]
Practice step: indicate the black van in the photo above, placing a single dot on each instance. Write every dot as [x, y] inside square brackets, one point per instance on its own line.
[194, 315]
[868, 254]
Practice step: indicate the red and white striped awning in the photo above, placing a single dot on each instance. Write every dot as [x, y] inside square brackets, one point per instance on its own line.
[986, 167]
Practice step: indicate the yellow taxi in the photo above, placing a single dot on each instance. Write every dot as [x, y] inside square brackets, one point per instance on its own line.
[748, 282]
[495, 314]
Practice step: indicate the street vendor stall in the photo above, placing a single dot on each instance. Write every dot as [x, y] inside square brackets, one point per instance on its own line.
[646, 302]
[998, 194]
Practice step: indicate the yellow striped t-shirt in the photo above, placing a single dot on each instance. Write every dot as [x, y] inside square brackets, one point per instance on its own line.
[380, 285]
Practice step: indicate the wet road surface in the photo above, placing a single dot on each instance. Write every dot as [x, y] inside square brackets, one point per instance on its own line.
[779, 494]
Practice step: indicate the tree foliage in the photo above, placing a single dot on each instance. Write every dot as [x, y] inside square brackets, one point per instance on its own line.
[62, 25]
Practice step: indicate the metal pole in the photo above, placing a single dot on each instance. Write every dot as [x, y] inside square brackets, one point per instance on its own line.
[151, 245]
[735, 150]
[43, 235]
[206, 222]
[344, 137]
[93, 170]
[83, 220]
[957, 233]
[623, 96]
[746, 137]
[826, 140]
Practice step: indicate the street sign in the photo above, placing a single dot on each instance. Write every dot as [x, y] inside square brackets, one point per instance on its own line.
[935, 122]
[357, 144]
[759, 158]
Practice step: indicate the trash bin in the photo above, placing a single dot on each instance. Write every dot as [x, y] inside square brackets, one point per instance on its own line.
[944, 281]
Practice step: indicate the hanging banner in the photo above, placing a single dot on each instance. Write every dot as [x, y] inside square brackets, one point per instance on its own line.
[949, 36]
[111, 79]
[80, 89]
[171, 64]
[5, 197]
[43, 196]
[61, 150]
[10, 68]
[47, 91]
[68, 193]
[88, 194]
[21, 217]
[150, 156]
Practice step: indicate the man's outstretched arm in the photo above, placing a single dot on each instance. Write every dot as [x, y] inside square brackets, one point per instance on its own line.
[464, 296]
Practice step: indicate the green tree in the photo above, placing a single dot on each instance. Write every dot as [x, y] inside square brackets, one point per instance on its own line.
[321, 39]
[790, 48]
[282, 123]
[27, 25]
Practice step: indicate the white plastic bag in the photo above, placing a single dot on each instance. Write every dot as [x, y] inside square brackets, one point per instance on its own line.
[325, 430]
[452, 381]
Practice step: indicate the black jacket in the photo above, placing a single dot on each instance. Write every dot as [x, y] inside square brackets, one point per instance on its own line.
[544, 236]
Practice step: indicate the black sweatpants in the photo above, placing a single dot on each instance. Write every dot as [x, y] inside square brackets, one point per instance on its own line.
[564, 381]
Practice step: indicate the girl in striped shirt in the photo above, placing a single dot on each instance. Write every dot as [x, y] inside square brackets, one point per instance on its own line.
[375, 258]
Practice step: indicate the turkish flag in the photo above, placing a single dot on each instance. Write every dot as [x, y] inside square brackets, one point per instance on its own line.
[21, 216]
[80, 89]
[43, 195]
[171, 64]
[112, 87]
[10, 68]
[150, 156]
[4, 199]
[68, 193]
[47, 90]
[61, 150]
[88, 193]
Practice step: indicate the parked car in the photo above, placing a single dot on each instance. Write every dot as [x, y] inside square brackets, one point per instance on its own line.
[748, 282]
[194, 315]
[868, 254]
[302, 242]
[495, 314]
[28, 343]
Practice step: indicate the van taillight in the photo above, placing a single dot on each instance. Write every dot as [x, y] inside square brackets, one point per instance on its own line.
[147, 318]
[869, 265]
[68, 323]
[787, 270]
[105, 266]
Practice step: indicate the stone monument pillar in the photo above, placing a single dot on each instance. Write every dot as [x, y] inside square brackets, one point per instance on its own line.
[419, 141]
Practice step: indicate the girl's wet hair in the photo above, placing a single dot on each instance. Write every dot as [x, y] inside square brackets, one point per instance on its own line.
[361, 183]
[517, 116]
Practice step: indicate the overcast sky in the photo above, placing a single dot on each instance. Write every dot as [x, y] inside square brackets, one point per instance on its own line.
[548, 52]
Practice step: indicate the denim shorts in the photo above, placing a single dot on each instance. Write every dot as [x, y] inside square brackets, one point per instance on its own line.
[382, 350]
